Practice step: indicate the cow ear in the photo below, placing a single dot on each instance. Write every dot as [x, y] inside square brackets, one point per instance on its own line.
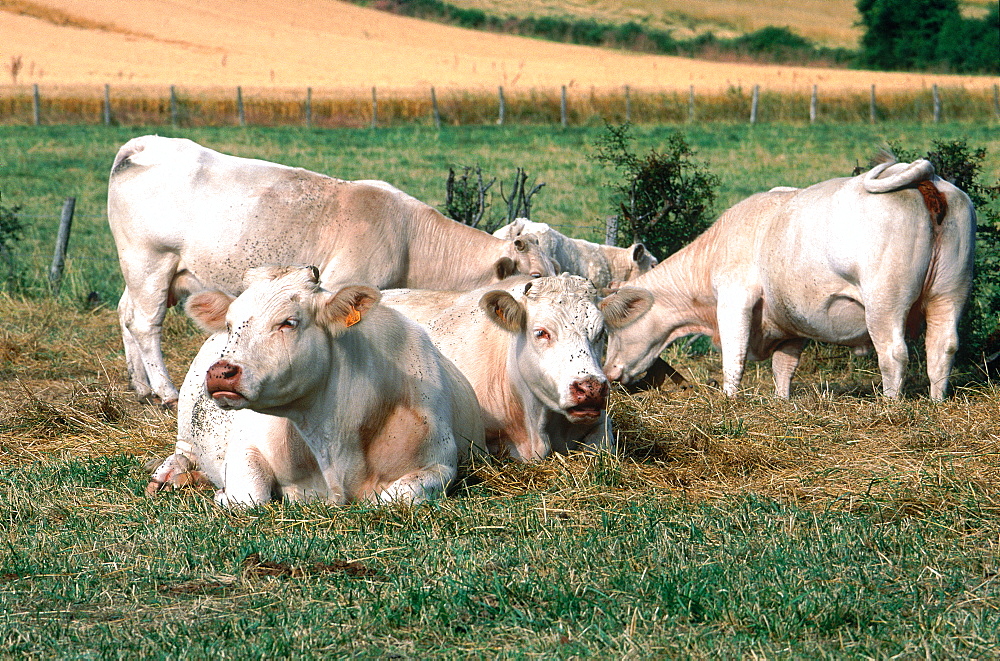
[638, 250]
[520, 244]
[208, 309]
[347, 307]
[504, 268]
[501, 308]
[625, 306]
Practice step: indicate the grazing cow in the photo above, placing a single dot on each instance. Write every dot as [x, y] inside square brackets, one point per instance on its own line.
[601, 264]
[369, 409]
[186, 218]
[857, 261]
[532, 353]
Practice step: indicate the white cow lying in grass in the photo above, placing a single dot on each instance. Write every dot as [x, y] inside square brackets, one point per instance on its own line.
[369, 409]
[532, 353]
[187, 218]
[855, 261]
[601, 264]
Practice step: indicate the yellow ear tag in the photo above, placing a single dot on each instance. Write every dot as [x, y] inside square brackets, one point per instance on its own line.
[352, 318]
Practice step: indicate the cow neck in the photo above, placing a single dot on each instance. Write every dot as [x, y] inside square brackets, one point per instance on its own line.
[451, 252]
[683, 293]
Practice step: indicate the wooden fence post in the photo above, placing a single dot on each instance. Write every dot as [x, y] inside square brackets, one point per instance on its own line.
[937, 104]
[173, 106]
[239, 106]
[753, 104]
[562, 108]
[691, 104]
[628, 106]
[434, 105]
[36, 106]
[107, 105]
[309, 107]
[996, 100]
[871, 106]
[62, 240]
[611, 231]
[374, 108]
[812, 107]
[503, 107]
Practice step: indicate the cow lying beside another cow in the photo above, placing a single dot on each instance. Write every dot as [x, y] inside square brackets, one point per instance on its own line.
[186, 218]
[369, 409]
[855, 261]
[532, 351]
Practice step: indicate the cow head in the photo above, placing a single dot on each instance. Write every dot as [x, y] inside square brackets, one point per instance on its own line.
[280, 335]
[529, 258]
[558, 334]
[634, 338]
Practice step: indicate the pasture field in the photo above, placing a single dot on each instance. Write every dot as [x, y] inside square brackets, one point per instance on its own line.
[835, 525]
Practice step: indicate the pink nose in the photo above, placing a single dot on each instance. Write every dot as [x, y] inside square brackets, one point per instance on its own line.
[222, 377]
[590, 392]
[613, 372]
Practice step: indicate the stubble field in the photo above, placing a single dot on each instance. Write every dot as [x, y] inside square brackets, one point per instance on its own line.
[835, 525]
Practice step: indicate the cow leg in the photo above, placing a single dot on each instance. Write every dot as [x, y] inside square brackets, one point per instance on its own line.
[141, 314]
[133, 356]
[941, 342]
[888, 338]
[248, 480]
[418, 486]
[734, 312]
[784, 360]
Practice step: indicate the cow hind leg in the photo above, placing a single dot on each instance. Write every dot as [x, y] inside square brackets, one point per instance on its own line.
[141, 313]
[784, 361]
[941, 343]
[888, 338]
[138, 379]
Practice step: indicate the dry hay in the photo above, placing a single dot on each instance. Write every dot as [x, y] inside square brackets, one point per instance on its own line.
[835, 445]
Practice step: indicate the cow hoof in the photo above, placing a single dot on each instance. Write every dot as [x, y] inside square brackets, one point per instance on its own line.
[169, 405]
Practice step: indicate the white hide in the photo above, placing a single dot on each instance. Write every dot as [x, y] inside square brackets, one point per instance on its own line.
[603, 265]
[531, 351]
[186, 218]
[852, 261]
[327, 406]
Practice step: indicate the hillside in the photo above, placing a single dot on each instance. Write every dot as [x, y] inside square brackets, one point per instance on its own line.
[333, 45]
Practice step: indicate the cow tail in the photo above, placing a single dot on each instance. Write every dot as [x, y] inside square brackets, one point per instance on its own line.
[125, 156]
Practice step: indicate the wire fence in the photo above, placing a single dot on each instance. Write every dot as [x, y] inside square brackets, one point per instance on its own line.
[564, 106]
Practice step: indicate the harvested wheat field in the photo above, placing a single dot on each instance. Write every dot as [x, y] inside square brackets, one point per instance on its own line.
[334, 46]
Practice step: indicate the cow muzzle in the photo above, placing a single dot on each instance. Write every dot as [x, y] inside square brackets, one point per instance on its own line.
[589, 397]
[223, 383]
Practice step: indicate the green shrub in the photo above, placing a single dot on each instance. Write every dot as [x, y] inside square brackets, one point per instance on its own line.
[664, 198]
[11, 229]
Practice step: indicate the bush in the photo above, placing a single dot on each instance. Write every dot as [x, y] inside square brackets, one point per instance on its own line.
[665, 199]
[10, 231]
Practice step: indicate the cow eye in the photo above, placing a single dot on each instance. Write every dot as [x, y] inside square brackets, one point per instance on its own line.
[542, 334]
[289, 324]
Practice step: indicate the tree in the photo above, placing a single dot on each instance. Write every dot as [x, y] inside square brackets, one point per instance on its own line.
[925, 34]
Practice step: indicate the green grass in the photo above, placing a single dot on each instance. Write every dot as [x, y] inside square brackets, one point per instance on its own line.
[93, 568]
[41, 166]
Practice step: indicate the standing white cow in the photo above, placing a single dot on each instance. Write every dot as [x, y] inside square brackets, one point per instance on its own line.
[369, 409]
[532, 353]
[603, 265]
[187, 218]
[855, 261]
